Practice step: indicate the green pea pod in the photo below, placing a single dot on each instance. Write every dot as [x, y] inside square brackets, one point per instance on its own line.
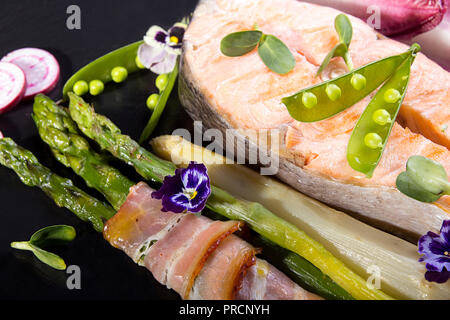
[101, 68]
[376, 73]
[160, 106]
[370, 136]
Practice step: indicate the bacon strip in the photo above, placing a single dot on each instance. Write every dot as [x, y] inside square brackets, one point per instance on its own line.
[222, 273]
[195, 256]
[198, 257]
[139, 219]
[176, 259]
[264, 282]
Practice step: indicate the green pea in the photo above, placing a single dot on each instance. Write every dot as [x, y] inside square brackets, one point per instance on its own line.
[152, 101]
[80, 88]
[373, 140]
[96, 87]
[358, 81]
[381, 117]
[392, 96]
[139, 63]
[309, 100]
[333, 92]
[119, 74]
[100, 69]
[161, 82]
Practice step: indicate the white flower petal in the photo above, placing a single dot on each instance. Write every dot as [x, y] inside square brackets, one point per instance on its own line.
[171, 50]
[180, 25]
[166, 65]
[153, 30]
[149, 55]
[150, 36]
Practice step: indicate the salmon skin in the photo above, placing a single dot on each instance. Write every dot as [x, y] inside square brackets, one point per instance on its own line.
[241, 93]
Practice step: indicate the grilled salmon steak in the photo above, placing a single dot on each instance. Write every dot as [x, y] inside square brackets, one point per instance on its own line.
[241, 93]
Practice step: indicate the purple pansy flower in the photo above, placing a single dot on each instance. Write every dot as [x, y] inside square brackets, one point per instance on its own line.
[436, 254]
[161, 48]
[186, 191]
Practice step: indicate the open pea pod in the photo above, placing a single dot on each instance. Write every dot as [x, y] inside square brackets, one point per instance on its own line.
[101, 68]
[160, 106]
[328, 98]
[372, 131]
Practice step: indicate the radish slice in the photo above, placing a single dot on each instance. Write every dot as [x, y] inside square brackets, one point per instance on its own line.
[12, 85]
[40, 67]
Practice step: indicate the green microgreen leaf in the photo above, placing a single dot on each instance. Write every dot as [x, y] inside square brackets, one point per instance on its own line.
[424, 179]
[52, 235]
[344, 29]
[430, 175]
[276, 55]
[339, 50]
[408, 187]
[239, 43]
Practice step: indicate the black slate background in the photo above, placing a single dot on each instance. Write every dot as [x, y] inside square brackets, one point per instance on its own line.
[106, 25]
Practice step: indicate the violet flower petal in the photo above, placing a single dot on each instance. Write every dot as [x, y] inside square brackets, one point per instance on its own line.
[445, 231]
[176, 190]
[438, 277]
[436, 253]
[171, 185]
[194, 175]
[177, 203]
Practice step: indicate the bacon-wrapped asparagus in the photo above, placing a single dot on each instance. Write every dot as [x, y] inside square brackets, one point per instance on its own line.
[197, 257]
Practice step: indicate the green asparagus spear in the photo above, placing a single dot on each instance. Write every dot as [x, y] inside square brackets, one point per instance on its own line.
[260, 219]
[109, 137]
[59, 131]
[60, 189]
